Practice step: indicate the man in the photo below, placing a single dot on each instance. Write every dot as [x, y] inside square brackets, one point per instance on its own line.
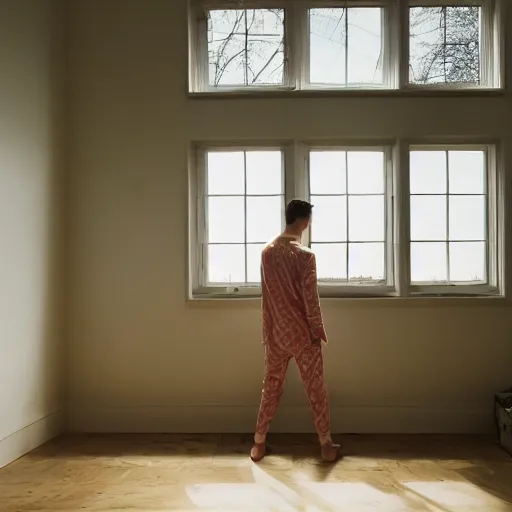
[292, 327]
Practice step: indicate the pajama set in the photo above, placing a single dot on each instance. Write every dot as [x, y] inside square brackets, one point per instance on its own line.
[292, 322]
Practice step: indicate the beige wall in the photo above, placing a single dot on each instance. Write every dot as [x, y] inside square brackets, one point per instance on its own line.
[31, 352]
[142, 358]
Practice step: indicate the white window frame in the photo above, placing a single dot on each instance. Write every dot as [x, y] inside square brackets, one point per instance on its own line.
[389, 43]
[395, 46]
[198, 45]
[397, 210]
[340, 288]
[491, 76]
[198, 257]
[494, 232]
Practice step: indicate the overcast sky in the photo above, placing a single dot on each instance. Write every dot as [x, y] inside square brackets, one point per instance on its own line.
[347, 190]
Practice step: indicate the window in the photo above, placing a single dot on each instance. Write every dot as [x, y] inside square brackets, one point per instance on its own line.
[451, 220]
[346, 47]
[349, 232]
[444, 44]
[243, 210]
[389, 219]
[245, 47]
[350, 44]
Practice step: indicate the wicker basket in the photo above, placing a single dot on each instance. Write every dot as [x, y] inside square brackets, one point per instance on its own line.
[503, 413]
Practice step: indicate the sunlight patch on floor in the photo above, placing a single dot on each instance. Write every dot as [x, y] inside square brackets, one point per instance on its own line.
[357, 497]
[263, 478]
[238, 497]
[457, 496]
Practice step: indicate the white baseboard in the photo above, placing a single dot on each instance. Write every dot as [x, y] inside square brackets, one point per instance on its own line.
[30, 437]
[290, 419]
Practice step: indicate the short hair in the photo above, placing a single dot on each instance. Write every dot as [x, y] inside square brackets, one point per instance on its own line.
[296, 210]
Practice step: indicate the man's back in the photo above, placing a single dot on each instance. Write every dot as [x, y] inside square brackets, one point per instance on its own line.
[288, 280]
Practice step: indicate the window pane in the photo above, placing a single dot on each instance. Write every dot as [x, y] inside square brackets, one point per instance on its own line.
[366, 262]
[226, 264]
[428, 218]
[428, 262]
[329, 223]
[331, 261]
[264, 172]
[445, 45]
[468, 262]
[327, 59]
[364, 46]
[346, 46]
[428, 172]
[366, 218]
[467, 218]
[365, 172]
[226, 220]
[264, 218]
[226, 61]
[254, 262]
[467, 172]
[246, 47]
[225, 172]
[327, 172]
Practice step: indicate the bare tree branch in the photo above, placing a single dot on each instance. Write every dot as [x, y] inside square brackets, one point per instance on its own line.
[229, 61]
[445, 44]
[266, 65]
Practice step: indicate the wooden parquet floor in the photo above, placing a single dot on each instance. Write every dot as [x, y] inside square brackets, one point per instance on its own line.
[213, 472]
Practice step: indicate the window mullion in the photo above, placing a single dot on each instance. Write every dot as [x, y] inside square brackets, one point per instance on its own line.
[300, 54]
[346, 47]
[402, 218]
[389, 200]
[201, 265]
[295, 172]
[498, 26]
[501, 209]
[489, 60]
[448, 276]
[297, 187]
[199, 74]
[492, 206]
[402, 53]
[294, 45]
[347, 221]
[245, 213]
[390, 28]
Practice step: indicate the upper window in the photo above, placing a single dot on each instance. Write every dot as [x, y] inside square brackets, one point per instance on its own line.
[245, 47]
[350, 44]
[445, 45]
[346, 47]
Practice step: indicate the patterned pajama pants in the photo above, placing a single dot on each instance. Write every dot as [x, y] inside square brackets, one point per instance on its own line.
[309, 360]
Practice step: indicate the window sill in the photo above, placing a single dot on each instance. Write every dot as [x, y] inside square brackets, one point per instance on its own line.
[254, 302]
[350, 93]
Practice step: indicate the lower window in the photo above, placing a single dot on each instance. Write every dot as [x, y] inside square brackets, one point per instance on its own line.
[427, 220]
[244, 205]
[452, 227]
[350, 233]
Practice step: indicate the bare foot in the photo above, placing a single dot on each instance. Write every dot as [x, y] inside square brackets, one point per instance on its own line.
[330, 452]
[258, 451]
